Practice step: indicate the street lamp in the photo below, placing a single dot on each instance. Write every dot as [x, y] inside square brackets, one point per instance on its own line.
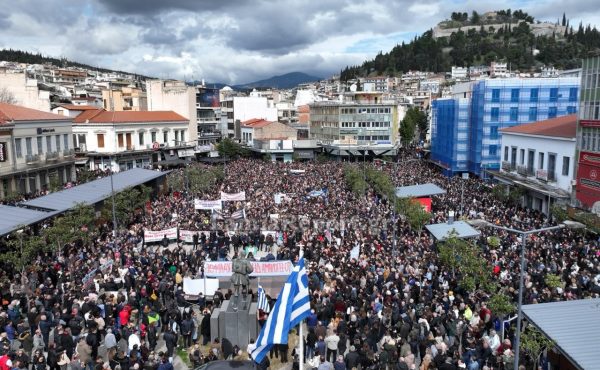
[564, 225]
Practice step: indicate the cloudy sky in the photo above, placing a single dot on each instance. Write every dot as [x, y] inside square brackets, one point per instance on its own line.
[238, 41]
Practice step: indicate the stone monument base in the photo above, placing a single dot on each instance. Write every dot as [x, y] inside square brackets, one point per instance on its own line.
[238, 326]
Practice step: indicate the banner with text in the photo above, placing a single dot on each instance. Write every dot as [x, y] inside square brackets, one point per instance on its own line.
[233, 197]
[274, 268]
[158, 235]
[208, 204]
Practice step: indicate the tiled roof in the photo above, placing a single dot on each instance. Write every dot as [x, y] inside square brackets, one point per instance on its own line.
[565, 126]
[256, 123]
[103, 116]
[78, 107]
[9, 112]
[304, 108]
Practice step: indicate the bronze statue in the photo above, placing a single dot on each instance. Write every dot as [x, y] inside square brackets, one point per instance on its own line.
[241, 268]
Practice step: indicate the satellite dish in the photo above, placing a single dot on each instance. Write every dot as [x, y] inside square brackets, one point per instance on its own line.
[353, 87]
[596, 208]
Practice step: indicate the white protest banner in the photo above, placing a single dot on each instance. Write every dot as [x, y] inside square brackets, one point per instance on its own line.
[158, 235]
[273, 268]
[196, 286]
[297, 171]
[270, 232]
[233, 197]
[208, 204]
[187, 236]
[355, 252]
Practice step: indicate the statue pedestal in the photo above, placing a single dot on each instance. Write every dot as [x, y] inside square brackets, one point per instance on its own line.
[239, 326]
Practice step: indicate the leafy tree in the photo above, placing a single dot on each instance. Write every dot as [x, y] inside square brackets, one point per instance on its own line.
[416, 216]
[559, 213]
[553, 281]
[75, 224]
[230, 149]
[475, 18]
[501, 305]
[355, 180]
[472, 270]
[533, 343]
[407, 130]
[126, 204]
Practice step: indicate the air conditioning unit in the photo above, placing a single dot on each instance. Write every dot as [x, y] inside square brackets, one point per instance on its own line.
[573, 182]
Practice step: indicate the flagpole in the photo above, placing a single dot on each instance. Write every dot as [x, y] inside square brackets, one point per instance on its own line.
[301, 333]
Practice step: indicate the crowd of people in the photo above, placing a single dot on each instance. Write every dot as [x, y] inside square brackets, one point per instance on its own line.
[115, 301]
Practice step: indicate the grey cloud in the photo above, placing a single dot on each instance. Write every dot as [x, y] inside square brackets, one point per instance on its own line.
[145, 7]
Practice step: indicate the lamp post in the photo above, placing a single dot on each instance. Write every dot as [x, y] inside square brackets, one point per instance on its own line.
[565, 225]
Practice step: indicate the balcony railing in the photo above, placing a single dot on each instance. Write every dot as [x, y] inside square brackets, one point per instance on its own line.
[508, 166]
[551, 176]
[51, 156]
[32, 158]
[530, 171]
[541, 175]
[522, 170]
[68, 152]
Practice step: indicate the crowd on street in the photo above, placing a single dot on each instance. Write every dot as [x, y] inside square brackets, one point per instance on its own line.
[115, 300]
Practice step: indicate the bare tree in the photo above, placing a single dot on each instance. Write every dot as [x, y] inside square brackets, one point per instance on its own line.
[6, 96]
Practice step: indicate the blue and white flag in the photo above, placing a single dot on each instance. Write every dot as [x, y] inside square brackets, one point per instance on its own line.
[263, 302]
[301, 305]
[291, 307]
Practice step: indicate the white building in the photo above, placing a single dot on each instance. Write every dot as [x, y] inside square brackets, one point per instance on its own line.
[24, 91]
[540, 157]
[459, 73]
[128, 139]
[36, 150]
[172, 95]
[72, 110]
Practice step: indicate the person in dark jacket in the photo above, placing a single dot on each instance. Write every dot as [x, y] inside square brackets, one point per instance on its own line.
[170, 341]
[352, 358]
[187, 329]
[45, 326]
[205, 328]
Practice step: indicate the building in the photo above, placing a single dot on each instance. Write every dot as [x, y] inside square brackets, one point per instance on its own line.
[498, 69]
[126, 98]
[23, 91]
[465, 132]
[237, 109]
[365, 121]
[588, 135]
[36, 152]
[172, 95]
[208, 114]
[459, 73]
[540, 158]
[269, 138]
[71, 110]
[125, 140]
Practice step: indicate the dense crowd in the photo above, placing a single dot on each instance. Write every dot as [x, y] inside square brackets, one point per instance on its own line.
[115, 302]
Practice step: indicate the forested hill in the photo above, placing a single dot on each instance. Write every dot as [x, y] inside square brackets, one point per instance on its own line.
[514, 42]
[19, 56]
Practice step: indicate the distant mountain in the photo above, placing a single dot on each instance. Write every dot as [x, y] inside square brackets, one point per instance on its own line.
[286, 81]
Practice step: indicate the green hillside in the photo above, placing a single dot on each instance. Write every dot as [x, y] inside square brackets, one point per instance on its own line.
[514, 43]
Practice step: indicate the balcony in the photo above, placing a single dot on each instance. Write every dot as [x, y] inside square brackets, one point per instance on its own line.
[541, 175]
[32, 158]
[522, 170]
[51, 156]
[530, 171]
[68, 153]
[508, 166]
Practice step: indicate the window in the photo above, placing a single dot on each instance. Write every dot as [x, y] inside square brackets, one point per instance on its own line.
[532, 113]
[533, 97]
[573, 94]
[28, 146]
[100, 140]
[513, 156]
[522, 152]
[565, 166]
[493, 150]
[176, 136]
[120, 141]
[554, 94]
[541, 161]
[551, 165]
[183, 135]
[514, 114]
[141, 138]
[165, 137]
[571, 109]
[514, 95]
[57, 138]
[494, 132]
[66, 141]
[18, 148]
[505, 154]
[40, 145]
[552, 112]
[153, 136]
[49, 144]
[495, 114]
[495, 95]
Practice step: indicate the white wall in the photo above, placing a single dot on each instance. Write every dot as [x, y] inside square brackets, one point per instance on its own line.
[559, 146]
[25, 91]
[176, 96]
[245, 108]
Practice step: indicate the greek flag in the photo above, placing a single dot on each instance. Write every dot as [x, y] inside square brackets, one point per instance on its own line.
[263, 303]
[291, 307]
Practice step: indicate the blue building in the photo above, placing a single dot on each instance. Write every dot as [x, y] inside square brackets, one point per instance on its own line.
[465, 130]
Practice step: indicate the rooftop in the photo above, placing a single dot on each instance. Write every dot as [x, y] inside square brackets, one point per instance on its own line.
[256, 123]
[417, 191]
[104, 116]
[10, 112]
[576, 338]
[459, 228]
[78, 107]
[565, 126]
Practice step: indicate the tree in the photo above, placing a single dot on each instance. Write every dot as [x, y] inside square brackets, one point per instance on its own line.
[475, 18]
[553, 281]
[228, 148]
[75, 224]
[416, 216]
[126, 203]
[407, 130]
[564, 20]
[533, 343]
[472, 270]
[501, 305]
[6, 96]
